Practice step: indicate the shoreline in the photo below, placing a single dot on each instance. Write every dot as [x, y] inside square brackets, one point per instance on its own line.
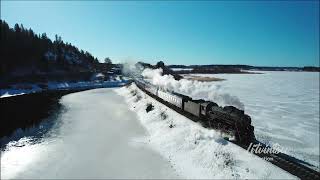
[203, 78]
[30, 109]
[118, 149]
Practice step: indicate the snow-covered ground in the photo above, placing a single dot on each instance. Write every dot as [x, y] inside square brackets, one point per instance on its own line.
[195, 152]
[25, 88]
[284, 107]
[96, 136]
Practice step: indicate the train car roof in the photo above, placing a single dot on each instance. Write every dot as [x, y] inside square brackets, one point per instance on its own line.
[181, 95]
[199, 101]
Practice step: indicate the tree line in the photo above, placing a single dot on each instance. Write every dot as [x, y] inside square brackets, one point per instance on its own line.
[23, 48]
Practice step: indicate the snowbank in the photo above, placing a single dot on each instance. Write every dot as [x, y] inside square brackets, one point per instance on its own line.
[25, 88]
[195, 152]
[85, 84]
[19, 89]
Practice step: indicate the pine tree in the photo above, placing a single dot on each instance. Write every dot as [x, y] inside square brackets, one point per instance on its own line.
[21, 47]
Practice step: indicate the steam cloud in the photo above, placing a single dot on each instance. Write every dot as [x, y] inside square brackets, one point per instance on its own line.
[132, 69]
[195, 89]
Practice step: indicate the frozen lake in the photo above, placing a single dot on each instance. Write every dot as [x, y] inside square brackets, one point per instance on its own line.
[96, 136]
[284, 107]
[106, 133]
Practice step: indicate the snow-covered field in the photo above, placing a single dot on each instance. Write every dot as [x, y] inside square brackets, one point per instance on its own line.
[284, 107]
[96, 136]
[195, 152]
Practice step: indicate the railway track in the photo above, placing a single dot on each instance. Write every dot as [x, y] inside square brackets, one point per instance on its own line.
[288, 163]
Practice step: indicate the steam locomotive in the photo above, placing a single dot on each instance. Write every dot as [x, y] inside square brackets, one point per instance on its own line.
[228, 119]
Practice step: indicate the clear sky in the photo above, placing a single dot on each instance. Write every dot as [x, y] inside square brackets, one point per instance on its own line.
[283, 33]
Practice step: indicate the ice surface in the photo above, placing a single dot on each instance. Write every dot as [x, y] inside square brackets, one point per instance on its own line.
[195, 152]
[284, 107]
[97, 136]
[182, 69]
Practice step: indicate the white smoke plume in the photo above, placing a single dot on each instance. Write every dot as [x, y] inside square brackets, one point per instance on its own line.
[194, 89]
[131, 69]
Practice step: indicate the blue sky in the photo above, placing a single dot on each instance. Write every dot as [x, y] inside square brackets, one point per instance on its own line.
[284, 33]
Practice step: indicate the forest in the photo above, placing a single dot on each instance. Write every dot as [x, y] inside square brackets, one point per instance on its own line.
[24, 52]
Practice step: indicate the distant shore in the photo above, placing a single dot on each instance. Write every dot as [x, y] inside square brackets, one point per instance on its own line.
[203, 79]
